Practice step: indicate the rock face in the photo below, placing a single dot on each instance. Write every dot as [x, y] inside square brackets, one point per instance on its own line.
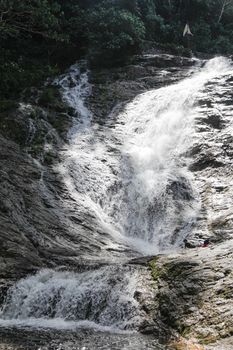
[194, 293]
[35, 229]
[195, 287]
[120, 85]
[29, 220]
[211, 160]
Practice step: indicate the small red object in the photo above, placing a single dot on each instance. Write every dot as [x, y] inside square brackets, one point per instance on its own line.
[205, 244]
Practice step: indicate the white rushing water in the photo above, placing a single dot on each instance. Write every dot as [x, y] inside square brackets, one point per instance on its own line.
[131, 171]
[102, 298]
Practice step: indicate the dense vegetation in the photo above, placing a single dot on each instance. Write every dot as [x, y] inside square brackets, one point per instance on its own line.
[39, 36]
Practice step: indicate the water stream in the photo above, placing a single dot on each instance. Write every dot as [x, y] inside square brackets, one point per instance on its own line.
[103, 299]
[131, 171]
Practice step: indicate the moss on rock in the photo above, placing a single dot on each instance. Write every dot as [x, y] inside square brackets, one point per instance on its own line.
[156, 271]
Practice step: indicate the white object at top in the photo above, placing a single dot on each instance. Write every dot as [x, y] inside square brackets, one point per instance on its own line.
[187, 30]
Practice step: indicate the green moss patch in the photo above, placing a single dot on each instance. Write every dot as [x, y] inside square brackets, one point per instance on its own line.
[156, 271]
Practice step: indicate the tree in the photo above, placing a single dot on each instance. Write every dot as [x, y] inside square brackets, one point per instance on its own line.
[38, 37]
[225, 4]
[28, 31]
[114, 33]
[39, 17]
[154, 23]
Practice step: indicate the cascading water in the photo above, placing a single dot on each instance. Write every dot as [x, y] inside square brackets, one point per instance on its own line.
[130, 174]
[131, 171]
[103, 298]
[75, 90]
[157, 203]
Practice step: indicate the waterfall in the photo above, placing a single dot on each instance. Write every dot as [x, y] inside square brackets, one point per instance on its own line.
[102, 298]
[130, 174]
[157, 202]
[75, 90]
[130, 171]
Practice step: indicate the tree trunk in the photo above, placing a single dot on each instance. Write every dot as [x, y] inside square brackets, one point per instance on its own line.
[222, 11]
[223, 8]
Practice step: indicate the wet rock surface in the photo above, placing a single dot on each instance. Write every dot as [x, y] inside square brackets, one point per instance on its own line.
[211, 161]
[31, 222]
[202, 277]
[26, 339]
[195, 292]
[112, 87]
[35, 229]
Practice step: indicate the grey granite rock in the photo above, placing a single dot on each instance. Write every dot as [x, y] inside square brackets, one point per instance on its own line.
[195, 293]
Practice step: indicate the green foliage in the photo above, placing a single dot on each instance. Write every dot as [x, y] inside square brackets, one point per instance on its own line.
[223, 45]
[27, 32]
[40, 17]
[114, 33]
[48, 96]
[18, 73]
[202, 36]
[156, 271]
[7, 105]
[39, 37]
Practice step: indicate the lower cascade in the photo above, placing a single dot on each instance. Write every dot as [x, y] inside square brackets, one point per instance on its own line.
[104, 297]
[131, 175]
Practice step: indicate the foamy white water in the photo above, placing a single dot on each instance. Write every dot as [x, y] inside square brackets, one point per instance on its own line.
[75, 89]
[101, 299]
[133, 177]
[157, 129]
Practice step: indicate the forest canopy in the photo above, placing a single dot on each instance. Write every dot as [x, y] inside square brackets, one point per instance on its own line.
[39, 37]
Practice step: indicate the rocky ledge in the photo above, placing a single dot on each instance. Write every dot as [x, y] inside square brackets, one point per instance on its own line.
[193, 300]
